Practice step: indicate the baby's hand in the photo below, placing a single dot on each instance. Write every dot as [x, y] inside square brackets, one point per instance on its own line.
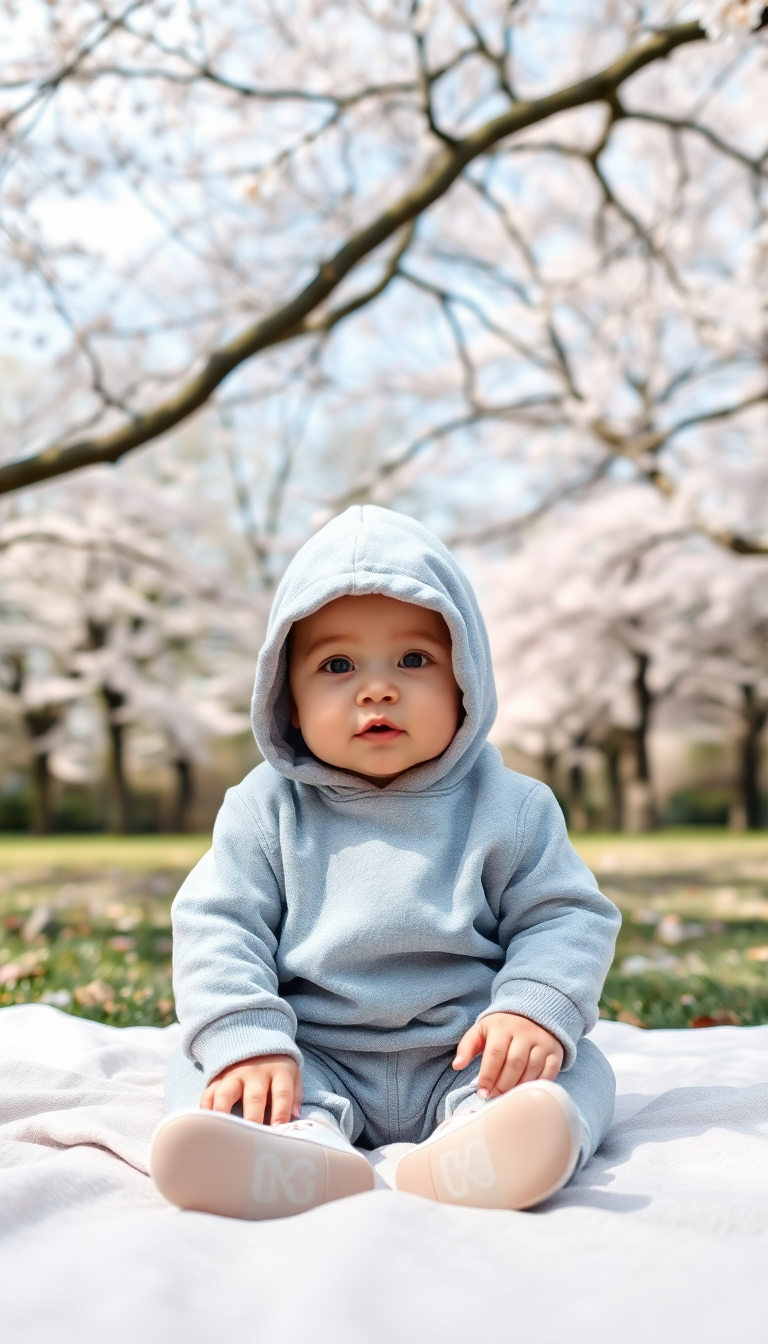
[515, 1050]
[269, 1084]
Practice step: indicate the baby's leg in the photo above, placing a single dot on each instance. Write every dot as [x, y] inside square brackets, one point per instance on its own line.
[323, 1095]
[590, 1083]
[518, 1149]
[220, 1163]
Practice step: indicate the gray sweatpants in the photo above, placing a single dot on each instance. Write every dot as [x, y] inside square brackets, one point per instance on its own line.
[378, 1098]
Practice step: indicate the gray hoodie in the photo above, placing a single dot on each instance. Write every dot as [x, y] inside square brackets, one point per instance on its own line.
[346, 916]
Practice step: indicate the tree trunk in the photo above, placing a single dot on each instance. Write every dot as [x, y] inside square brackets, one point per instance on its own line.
[644, 701]
[549, 768]
[755, 716]
[119, 796]
[39, 723]
[41, 795]
[577, 812]
[184, 795]
[612, 746]
[639, 806]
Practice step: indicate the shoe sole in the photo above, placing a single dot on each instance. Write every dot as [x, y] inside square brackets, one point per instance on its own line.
[217, 1163]
[512, 1154]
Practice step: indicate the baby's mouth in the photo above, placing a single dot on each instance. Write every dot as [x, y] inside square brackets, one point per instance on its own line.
[380, 731]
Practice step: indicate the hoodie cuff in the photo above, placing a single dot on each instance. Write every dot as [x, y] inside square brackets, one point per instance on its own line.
[546, 1006]
[245, 1035]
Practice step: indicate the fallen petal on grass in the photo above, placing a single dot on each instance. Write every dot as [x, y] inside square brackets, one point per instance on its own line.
[97, 994]
[110, 928]
[57, 998]
[122, 943]
[721, 1018]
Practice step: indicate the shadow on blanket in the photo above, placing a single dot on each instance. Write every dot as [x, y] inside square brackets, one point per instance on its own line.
[701, 1147]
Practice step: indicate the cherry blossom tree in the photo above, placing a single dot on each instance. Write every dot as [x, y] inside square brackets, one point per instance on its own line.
[490, 261]
[491, 239]
[727, 647]
[33, 696]
[105, 606]
[610, 609]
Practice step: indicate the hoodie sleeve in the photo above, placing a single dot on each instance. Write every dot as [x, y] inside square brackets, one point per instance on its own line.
[226, 919]
[556, 929]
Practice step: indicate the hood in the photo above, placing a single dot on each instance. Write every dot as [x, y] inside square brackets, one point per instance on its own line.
[373, 550]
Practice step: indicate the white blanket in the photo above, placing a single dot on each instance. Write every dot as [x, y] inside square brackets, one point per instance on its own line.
[664, 1237]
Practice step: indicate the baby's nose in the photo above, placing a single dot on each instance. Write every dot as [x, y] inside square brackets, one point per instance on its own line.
[378, 691]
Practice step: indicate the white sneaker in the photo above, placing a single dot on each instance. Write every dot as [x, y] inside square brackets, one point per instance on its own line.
[218, 1163]
[511, 1153]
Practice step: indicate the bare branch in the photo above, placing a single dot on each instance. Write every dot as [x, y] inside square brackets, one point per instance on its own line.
[48, 86]
[332, 318]
[651, 443]
[396, 461]
[496, 59]
[732, 541]
[508, 527]
[341, 101]
[759, 165]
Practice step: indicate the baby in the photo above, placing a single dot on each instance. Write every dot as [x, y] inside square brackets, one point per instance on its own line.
[391, 939]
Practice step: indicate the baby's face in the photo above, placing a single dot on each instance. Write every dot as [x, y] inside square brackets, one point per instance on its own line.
[373, 686]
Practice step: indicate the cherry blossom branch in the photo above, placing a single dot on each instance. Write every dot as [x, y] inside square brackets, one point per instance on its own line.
[385, 470]
[650, 444]
[755, 165]
[46, 87]
[505, 528]
[299, 316]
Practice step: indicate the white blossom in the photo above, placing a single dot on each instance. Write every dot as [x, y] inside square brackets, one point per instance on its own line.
[730, 19]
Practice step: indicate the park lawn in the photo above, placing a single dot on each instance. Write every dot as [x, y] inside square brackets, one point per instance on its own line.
[85, 925]
[693, 948]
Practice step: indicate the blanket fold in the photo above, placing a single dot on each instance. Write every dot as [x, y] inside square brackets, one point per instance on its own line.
[665, 1231]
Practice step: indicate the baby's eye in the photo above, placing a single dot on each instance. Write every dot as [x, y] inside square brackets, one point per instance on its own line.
[414, 660]
[338, 665]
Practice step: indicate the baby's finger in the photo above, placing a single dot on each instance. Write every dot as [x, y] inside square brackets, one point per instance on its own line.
[494, 1057]
[255, 1095]
[281, 1094]
[298, 1097]
[206, 1100]
[552, 1066]
[209, 1096]
[470, 1045]
[534, 1069]
[228, 1091]
[513, 1067]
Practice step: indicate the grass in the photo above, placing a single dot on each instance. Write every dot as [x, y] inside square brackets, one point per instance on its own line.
[693, 948]
[85, 925]
[86, 853]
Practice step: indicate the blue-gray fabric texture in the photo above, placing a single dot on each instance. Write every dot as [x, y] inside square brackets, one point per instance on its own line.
[333, 915]
[400, 1097]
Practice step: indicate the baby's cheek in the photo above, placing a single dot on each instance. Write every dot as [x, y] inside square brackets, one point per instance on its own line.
[436, 717]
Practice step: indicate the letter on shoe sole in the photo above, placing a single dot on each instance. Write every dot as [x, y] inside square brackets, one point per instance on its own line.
[510, 1155]
[221, 1164]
